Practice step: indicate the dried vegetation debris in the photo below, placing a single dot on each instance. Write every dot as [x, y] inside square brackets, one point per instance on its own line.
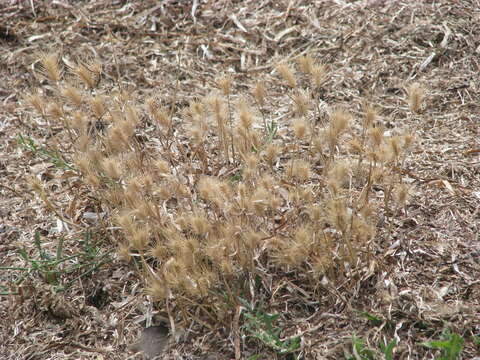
[372, 54]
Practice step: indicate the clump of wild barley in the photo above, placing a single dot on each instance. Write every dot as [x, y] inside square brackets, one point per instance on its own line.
[218, 198]
[416, 95]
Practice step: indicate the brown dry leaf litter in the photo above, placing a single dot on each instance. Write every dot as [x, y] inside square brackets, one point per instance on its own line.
[176, 49]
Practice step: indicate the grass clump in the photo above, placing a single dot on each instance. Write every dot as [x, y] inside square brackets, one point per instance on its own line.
[58, 270]
[53, 156]
[261, 326]
[450, 345]
[212, 196]
[360, 351]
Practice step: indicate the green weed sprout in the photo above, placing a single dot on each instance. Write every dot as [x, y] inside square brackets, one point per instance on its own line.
[451, 345]
[260, 325]
[52, 268]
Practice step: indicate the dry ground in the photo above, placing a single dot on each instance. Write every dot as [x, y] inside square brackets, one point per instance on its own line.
[176, 49]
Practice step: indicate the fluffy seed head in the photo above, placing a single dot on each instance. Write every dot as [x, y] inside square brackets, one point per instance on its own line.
[300, 128]
[50, 67]
[56, 111]
[199, 223]
[157, 289]
[72, 94]
[337, 176]
[306, 64]
[131, 115]
[318, 75]
[271, 153]
[401, 194]
[93, 180]
[407, 141]
[315, 213]
[196, 109]
[260, 200]
[260, 93]
[163, 167]
[124, 252]
[301, 100]
[395, 146]
[298, 169]
[139, 238]
[338, 214]
[225, 84]
[98, 106]
[211, 189]
[376, 135]
[112, 168]
[85, 75]
[216, 104]
[287, 74]
[355, 146]
[162, 117]
[339, 120]
[245, 114]
[35, 184]
[37, 102]
[370, 116]
[416, 95]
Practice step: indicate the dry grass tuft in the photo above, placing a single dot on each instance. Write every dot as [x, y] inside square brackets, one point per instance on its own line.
[207, 232]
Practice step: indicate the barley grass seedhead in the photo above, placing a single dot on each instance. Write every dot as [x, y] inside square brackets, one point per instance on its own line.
[416, 96]
[50, 67]
[287, 75]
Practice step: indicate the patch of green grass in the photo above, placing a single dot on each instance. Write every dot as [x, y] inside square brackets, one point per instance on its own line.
[51, 155]
[56, 269]
[375, 320]
[387, 349]
[476, 341]
[360, 351]
[260, 325]
[236, 177]
[450, 344]
[272, 129]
